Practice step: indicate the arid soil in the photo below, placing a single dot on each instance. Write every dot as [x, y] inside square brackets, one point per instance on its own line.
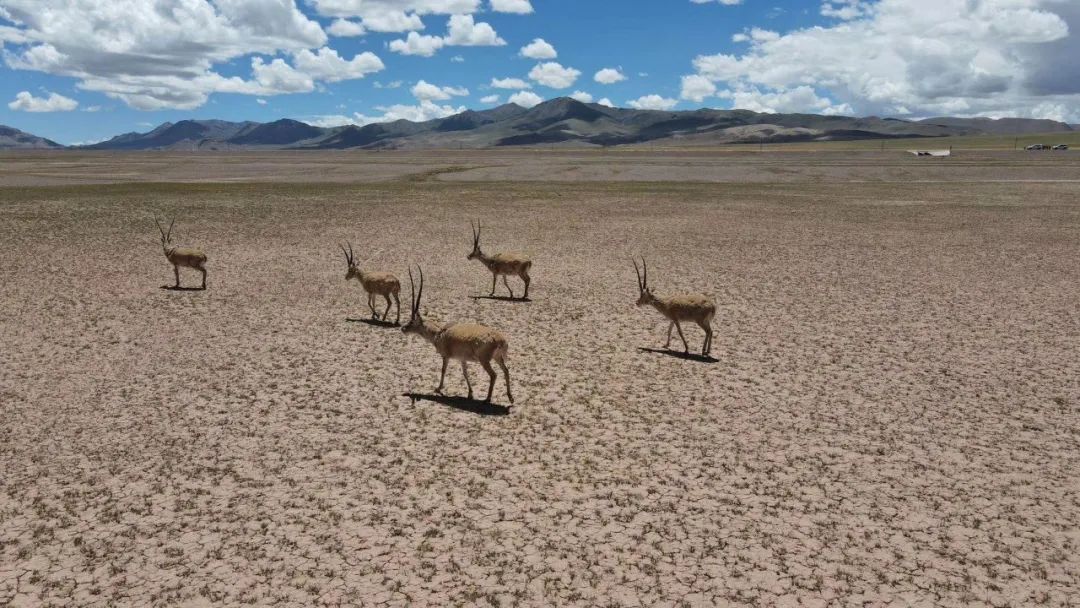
[892, 416]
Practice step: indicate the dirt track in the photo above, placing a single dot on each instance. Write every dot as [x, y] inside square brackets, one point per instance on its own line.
[894, 413]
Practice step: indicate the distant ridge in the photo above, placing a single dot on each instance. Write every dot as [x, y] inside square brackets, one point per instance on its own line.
[14, 139]
[562, 121]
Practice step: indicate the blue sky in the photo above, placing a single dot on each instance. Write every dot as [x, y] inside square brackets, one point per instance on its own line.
[84, 70]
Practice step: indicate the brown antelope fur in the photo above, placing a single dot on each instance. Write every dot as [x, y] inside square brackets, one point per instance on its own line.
[693, 307]
[462, 342]
[502, 264]
[181, 256]
[375, 284]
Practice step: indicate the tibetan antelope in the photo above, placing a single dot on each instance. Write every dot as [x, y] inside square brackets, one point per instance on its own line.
[375, 284]
[501, 264]
[461, 341]
[181, 256]
[697, 308]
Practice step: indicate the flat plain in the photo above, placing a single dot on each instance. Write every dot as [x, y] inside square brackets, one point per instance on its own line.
[892, 416]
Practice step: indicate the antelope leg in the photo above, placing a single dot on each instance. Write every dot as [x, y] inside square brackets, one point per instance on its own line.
[506, 374]
[491, 377]
[442, 377]
[507, 283]
[176, 271]
[386, 313]
[686, 347]
[669, 328]
[465, 372]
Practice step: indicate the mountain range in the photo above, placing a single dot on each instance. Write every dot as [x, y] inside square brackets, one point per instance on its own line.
[561, 121]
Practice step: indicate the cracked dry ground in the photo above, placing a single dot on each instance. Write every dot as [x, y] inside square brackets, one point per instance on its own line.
[893, 417]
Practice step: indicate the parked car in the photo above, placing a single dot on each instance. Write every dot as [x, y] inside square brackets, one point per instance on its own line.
[1036, 147]
[1060, 147]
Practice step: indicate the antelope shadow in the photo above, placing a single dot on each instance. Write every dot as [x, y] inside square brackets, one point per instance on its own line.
[679, 354]
[182, 288]
[374, 322]
[464, 404]
[501, 298]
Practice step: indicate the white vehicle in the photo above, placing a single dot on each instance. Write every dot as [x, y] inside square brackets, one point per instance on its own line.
[1037, 147]
[1060, 147]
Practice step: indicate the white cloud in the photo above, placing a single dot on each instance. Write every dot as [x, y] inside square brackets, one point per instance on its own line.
[797, 99]
[261, 102]
[509, 83]
[554, 75]
[457, 59]
[926, 57]
[423, 111]
[55, 102]
[393, 15]
[490, 99]
[604, 101]
[609, 76]
[418, 44]
[465, 31]
[149, 57]
[581, 96]
[525, 99]
[538, 49]
[652, 102]
[280, 77]
[424, 90]
[326, 65]
[518, 7]
[462, 30]
[696, 88]
[344, 28]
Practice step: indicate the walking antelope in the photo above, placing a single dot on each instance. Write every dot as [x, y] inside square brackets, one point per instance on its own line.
[375, 284]
[181, 256]
[697, 308]
[463, 342]
[501, 264]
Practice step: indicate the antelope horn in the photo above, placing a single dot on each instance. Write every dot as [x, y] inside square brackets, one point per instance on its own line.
[160, 229]
[419, 294]
[412, 293]
[347, 260]
[644, 272]
[352, 256]
[168, 237]
[638, 272]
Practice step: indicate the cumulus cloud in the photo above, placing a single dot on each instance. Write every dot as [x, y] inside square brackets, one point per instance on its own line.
[421, 112]
[538, 49]
[554, 75]
[393, 15]
[424, 90]
[652, 102]
[609, 76]
[581, 96]
[418, 44]
[465, 31]
[525, 99]
[696, 88]
[510, 83]
[55, 102]
[462, 30]
[519, 7]
[151, 58]
[325, 64]
[490, 99]
[604, 101]
[343, 28]
[988, 58]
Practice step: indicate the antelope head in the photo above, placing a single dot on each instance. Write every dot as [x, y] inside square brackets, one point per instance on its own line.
[166, 237]
[645, 295]
[416, 321]
[476, 253]
[353, 272]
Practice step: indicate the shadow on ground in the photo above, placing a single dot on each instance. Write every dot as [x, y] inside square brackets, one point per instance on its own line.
[679, 355]
[374, 322]
[462, 403]
[175, 288]
[502, 298]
